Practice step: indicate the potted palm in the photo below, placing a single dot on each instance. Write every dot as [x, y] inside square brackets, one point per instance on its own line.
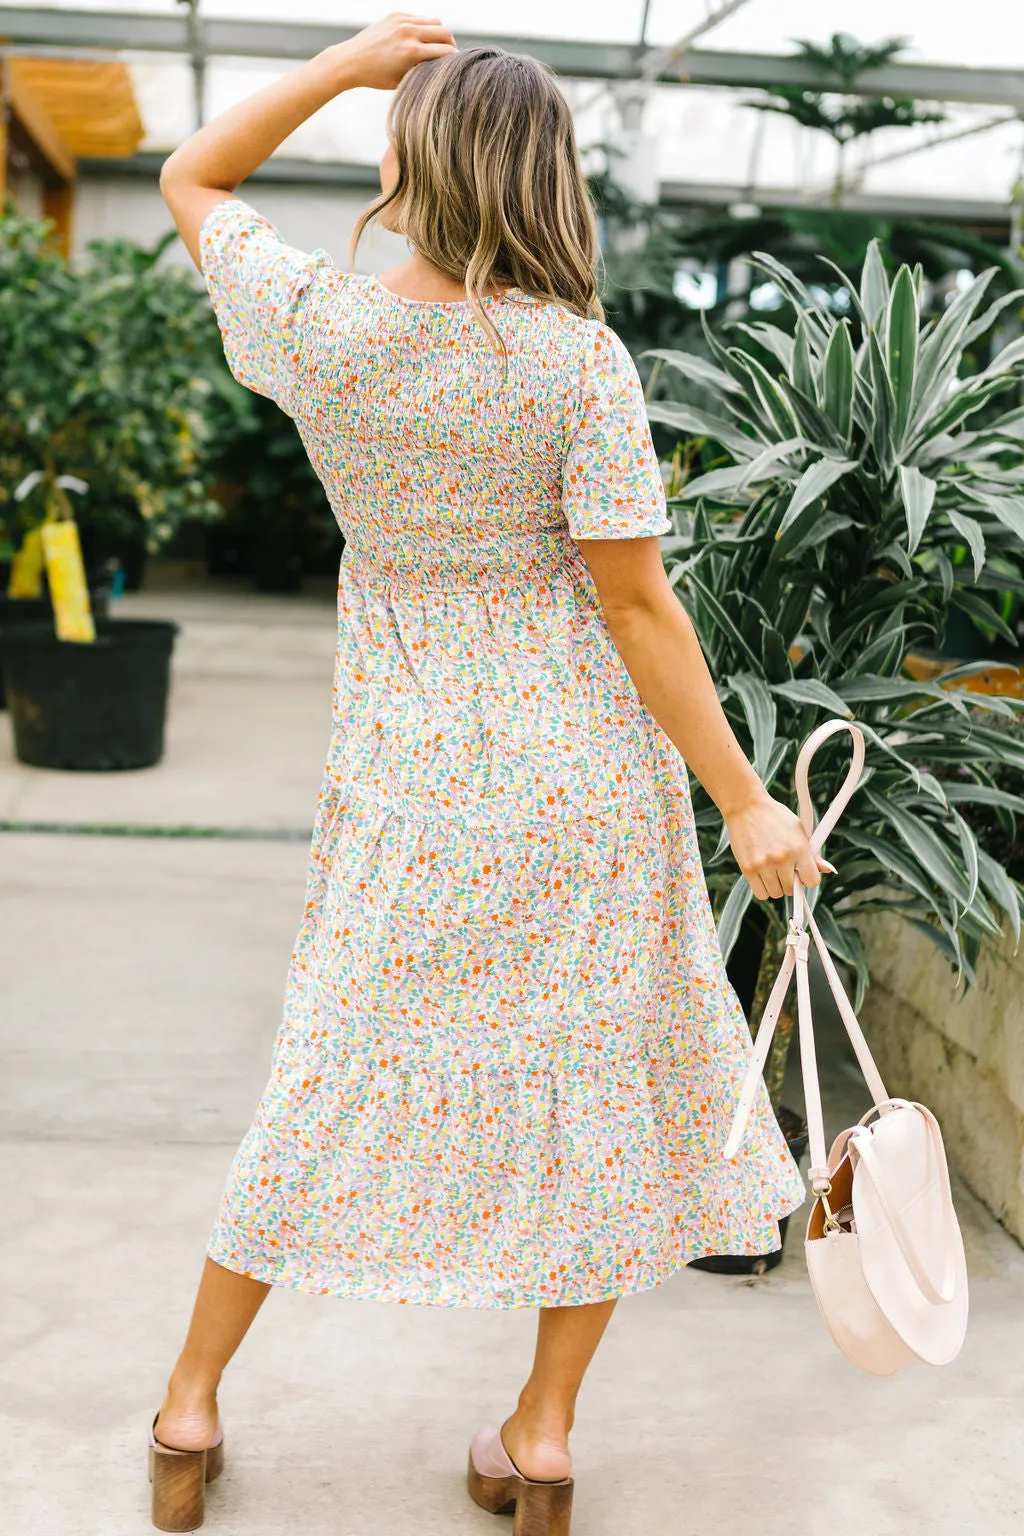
[816, 558]
[102, 386]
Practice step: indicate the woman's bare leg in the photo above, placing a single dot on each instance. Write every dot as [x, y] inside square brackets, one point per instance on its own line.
[537, 1435]
[225, 1306]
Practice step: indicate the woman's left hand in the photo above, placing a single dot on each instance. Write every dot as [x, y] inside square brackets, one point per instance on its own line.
[770, 846]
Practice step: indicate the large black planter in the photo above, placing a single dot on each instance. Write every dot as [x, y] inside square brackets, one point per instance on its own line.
[18, 611]
[794, 1128]
[98, 706]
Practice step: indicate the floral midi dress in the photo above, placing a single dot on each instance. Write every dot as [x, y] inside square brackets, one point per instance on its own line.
[509, 1053]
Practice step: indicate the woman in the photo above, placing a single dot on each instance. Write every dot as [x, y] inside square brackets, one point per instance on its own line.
[509, 1052]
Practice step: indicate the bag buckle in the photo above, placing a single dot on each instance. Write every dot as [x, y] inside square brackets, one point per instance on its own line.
[799, 939]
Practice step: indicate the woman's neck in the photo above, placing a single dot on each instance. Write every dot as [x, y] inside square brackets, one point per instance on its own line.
[418, 279]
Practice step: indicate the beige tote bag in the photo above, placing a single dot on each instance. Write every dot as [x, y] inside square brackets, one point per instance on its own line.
[884, 1249]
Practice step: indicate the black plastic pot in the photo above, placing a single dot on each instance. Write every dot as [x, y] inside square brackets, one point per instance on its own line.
[15, 612]
[99, 706]
[18, 611]
[794, 1128]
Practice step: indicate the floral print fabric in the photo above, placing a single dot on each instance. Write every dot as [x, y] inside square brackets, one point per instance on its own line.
[509, 1052]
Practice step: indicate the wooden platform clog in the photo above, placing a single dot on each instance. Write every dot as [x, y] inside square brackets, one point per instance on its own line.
[497, 1485]
[179, 1481]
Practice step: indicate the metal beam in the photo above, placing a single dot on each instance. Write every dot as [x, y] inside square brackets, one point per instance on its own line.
[168, 33]
[948, 210]
[116, 30]
[350, 175]
[921, 82]
[284, 170]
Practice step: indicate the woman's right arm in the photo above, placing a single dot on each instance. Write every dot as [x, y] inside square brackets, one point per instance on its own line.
[215, 160]
[653, 635]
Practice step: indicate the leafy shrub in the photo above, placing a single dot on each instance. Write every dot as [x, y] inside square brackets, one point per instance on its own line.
[827, 548]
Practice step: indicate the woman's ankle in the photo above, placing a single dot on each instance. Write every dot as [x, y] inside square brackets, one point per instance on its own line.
[192, 1388]
[550, 1416]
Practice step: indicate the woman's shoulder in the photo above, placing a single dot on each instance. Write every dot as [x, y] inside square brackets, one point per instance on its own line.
[591, 348]
[579, 339]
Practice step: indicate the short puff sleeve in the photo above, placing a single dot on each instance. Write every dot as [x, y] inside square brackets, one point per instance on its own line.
[611, 482]
[258, 288]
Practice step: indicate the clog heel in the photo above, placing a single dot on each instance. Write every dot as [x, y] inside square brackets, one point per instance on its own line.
[179, 1481]
[496, 1484]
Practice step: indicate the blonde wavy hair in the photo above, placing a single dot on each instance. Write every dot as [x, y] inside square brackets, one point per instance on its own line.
[490, 189]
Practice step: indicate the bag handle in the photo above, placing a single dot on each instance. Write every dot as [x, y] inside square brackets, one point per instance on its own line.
[802, 928]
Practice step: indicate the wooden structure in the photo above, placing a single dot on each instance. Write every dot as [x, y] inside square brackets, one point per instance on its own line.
[54, 110]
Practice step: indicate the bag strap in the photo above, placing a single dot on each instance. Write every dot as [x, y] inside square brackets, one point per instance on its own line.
[943, 1293]
[802, 928]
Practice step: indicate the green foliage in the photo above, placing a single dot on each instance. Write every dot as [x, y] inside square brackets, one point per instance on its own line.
[105, 373]
[641, 270]
[639, 291]
[821, 551]
[841, 113]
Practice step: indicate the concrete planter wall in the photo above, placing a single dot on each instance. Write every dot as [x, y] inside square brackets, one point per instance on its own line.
[963, 1056]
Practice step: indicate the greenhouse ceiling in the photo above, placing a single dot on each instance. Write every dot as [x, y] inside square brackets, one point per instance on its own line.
[683, 118]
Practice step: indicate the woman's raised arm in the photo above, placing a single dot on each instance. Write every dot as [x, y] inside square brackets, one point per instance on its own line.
[215, 160]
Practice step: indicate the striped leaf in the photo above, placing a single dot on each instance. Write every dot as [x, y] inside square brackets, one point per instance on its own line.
[777, 342]
[874, 284]
[1008, 510]
[801, 369]
[718, 615]
[982, 614]
[1006, 358]
[837, 381]
[731, 920]
[692, 366]
[774, 404]
[939, 354]
[969, 850]
[971, 533]
[810, 690]
[685, 418]
[893, 860]
[759, 468]
[1001, 888]
[983, 794]
[882, 402]
[926, 846]
[918, 493]
[760, 711]
[723, 483]
[814, 482]
[901, 341]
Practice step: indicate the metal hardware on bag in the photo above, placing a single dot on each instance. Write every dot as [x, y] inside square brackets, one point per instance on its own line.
[831, 1223]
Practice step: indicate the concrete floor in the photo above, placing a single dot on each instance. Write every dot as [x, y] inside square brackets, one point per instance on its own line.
[142, 992]
[246, 738]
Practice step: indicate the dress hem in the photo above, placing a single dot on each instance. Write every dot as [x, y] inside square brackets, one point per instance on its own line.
[461, 1302]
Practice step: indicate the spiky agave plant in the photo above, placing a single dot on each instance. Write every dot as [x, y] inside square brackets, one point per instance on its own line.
[830, 546]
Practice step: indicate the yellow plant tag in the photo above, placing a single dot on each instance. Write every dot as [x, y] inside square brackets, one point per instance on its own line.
[26, 578]
[66, 575]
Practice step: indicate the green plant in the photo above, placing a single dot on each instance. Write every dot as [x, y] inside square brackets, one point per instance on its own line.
[842, 113]
[821, 553]
[104, 376]
[640, 271]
